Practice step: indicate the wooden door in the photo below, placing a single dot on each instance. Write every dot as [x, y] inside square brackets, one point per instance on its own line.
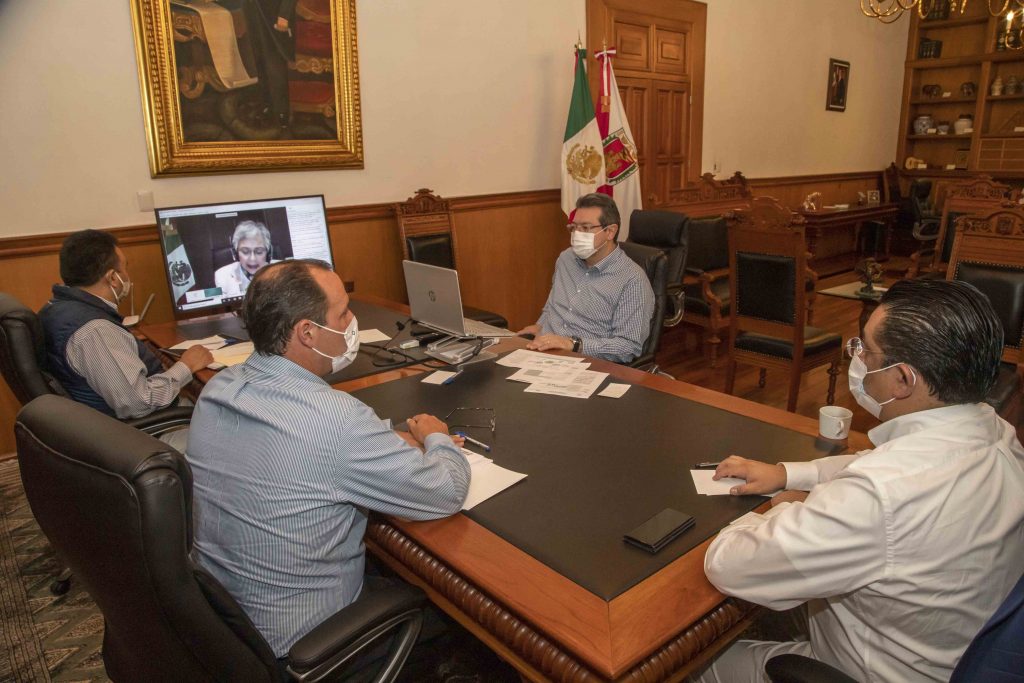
[659, 67]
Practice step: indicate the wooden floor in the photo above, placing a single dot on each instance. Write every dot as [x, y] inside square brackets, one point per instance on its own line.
[680, 356]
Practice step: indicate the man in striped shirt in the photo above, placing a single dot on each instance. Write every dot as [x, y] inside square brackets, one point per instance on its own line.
[601, 302]
[286, 469]
[96, 359]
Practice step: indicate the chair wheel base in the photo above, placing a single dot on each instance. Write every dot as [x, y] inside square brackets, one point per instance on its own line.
[59, 587]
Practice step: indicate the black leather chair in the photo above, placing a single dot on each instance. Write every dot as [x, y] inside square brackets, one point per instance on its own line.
[926, 225]
[706, 296]
[665, 230]
[768, 272]
[426, 230]
[655, 265]
[117, 505]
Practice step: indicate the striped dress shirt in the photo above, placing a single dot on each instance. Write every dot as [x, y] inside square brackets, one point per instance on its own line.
[107, 356]
[608, 306]
[285, 470]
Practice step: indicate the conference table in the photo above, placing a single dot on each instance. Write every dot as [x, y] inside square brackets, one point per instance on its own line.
[540, 572]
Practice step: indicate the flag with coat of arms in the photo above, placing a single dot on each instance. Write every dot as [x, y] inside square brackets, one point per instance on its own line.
[620, 158]
[582, 149]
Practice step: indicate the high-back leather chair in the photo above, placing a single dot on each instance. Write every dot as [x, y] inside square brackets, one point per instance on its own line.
[926, 223]
[666, 231]
[767, 276]
[426, 230]
[116, 504]
[988, 252]
[655, 264]
[706, 295]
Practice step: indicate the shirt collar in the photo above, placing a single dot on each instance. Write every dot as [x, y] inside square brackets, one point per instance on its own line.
[279, 365]
[923, 419]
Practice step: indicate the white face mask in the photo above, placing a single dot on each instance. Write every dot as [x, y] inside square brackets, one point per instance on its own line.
[856, 374]
[583, 244]
[126, 287]
[351, 334]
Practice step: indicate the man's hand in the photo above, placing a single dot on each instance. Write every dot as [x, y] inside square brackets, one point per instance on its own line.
[409, 439]
[546, 342]
[197, 357]
[424, 425]
[529, 329]
[761, 477]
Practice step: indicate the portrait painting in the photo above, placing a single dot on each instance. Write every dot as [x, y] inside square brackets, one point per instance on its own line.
[838, 84]
[248, 85]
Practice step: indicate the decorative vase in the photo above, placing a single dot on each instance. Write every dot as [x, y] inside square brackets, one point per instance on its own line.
[922, 123]
[997, 87]
[942, 127]
[961, 125]
[1012, 86]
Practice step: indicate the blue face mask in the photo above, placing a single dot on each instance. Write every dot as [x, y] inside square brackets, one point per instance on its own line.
[856, 374]
[351, 334]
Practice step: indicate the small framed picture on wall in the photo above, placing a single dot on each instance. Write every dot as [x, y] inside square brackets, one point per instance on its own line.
[838, 83]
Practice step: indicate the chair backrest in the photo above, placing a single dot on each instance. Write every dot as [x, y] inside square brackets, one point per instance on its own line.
[425, 228]
[664, 230]
[23, 352]
[116, 504]
[707, 243]
[920, 190]
[655, 265]
[891, 184]
[767, 267]
[988, 252]
[710, 197]
[974, 196]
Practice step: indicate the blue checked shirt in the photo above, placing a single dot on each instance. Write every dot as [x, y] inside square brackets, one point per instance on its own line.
[608, 306]
[285, 469]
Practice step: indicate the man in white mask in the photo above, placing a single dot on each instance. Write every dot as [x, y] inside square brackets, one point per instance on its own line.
[286, 469]
[601, 302]
[903, 552]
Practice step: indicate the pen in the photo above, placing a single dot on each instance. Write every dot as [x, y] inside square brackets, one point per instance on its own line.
[706, 466]
[470, 439]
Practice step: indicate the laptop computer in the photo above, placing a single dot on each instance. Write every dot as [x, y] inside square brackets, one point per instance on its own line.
[436, 302]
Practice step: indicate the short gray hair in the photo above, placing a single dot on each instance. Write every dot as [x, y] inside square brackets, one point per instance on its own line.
[249, 229]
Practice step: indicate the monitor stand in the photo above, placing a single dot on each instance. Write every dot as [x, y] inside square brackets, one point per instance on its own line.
[225, 324]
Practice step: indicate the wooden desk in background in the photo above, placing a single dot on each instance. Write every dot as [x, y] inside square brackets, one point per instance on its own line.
[546, 625]
[832, 235]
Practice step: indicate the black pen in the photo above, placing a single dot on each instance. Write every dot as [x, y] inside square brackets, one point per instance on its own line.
[706, 466]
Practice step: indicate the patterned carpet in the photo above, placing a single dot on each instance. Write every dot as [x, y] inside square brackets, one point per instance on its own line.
[44, 637]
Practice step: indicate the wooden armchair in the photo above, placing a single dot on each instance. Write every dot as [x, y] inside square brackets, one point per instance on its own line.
[973, 196]
[988, 252]
[767, 275]
[425, 228]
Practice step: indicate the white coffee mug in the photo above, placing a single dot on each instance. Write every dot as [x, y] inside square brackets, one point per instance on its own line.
[834, 422]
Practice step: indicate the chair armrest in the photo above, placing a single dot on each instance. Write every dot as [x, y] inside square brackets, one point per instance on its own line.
[926, 230]
[343, 635]
[799, 669]
[160, 421]
[692, 271]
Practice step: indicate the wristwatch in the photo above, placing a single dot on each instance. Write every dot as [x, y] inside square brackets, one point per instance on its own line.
[576, 344]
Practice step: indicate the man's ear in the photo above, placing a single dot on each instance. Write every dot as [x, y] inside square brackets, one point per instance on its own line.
[614, 227]
[906, 380]
[302, 333]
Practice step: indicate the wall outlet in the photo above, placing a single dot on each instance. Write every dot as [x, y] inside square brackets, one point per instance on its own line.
[145, 200]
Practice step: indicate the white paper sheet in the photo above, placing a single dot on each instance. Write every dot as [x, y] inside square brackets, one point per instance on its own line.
[214, 342]
[230, 355]
[487, 480]
[614, 390]
[555, 375]
[706, 486]
[372, 336]
[523, 358]
[438, 377]
[583, 385]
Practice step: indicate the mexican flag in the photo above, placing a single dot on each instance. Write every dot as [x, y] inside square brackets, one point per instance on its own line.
[582, 155]
[182, 277]
[620, 157]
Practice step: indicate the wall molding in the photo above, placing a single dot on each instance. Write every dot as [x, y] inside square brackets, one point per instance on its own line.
[815, 178]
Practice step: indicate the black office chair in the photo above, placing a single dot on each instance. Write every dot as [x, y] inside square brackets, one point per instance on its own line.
[117, 505]
[995, 655]
[665, 230]
[655, 265]
[926, 226]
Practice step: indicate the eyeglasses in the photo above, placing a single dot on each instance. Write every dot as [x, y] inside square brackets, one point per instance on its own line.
[486, 415]
[855, 347]
[258, 251]
[584, 227]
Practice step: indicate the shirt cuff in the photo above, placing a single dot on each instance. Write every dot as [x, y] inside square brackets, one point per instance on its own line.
[438, 439]
[801, 476]
[180, 372]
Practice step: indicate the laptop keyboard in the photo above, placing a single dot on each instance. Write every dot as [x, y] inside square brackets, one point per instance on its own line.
[475, 328]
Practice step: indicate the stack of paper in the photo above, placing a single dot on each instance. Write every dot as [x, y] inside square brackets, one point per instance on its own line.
[231, 355]
[706, 486]
[487, 480]
[555, 375]
[214, 342]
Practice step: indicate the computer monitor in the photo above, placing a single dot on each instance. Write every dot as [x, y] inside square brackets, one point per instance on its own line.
[211, 251]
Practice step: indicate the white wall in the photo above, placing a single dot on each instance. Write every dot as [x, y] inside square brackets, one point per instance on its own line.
[765, 79]
[464, 96]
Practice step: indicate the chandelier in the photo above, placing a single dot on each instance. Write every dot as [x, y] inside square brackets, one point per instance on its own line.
[888, 11]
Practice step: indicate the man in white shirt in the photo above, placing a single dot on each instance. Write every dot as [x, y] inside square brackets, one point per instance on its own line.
[902, 552]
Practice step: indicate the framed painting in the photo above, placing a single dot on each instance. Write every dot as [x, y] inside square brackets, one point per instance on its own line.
[838, 82]
[231, 86]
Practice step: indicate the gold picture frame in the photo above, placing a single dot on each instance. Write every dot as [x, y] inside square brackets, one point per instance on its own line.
[215, 99]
